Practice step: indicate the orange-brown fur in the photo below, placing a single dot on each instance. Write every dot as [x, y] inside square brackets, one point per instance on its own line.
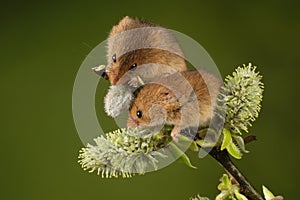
[179, 111]
[165, 61]
[128, 23]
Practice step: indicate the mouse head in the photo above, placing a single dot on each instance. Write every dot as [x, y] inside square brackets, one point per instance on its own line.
[133, 43]
[120, 62]
[154, 105]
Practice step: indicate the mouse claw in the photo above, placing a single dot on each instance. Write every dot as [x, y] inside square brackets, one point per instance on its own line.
[175, 132]
[134, 82]
[141, 82]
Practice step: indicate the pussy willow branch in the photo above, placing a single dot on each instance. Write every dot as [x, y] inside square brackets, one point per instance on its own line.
[246, 188]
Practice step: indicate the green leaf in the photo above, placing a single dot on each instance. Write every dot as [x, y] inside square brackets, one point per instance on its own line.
[226, 139]
[184, 141]
[194, 146]
[222, 187]
[203, 198]
[240, 142]
[229, 190]
[225, 183]
[202, 132]
[183, 158]
[267, 193]
[234, 151]
[204, 143]
[198, 197]
[239, 196]
[183, 138]
[223, 195]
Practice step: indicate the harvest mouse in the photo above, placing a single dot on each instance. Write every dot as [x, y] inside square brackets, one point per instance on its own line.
[189, 103]
[137, 48]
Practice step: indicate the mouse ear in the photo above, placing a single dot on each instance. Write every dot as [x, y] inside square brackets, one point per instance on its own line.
[124, 24]
[125, 21]
[167, 95]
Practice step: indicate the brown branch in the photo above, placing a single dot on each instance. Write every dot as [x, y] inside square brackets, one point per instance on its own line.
[249, 139]
[246, 188]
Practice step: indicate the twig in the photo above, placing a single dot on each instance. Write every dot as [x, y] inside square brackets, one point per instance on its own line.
[246, 188]
[249, 139]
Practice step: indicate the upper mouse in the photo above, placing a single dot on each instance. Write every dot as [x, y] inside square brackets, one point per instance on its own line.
[139, 48]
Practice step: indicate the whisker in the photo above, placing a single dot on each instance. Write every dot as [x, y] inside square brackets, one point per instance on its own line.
[86, 44]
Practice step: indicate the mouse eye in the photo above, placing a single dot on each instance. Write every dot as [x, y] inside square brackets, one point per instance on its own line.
[114, 58]
[132, 67]
[139, 114]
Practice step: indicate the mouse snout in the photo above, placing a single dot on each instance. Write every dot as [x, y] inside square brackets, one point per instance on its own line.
[104, 75]
[132, 122]
[112, 75]
[113, 78]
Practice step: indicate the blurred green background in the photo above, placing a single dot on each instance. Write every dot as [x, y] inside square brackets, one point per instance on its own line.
[43, 45]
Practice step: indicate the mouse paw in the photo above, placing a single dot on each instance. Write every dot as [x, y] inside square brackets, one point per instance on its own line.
[134, 82]
[175, 132]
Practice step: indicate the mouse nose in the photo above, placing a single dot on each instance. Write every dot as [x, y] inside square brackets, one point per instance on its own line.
[104, 75]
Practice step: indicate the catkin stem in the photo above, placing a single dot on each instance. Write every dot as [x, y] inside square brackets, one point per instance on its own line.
[246, 188]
